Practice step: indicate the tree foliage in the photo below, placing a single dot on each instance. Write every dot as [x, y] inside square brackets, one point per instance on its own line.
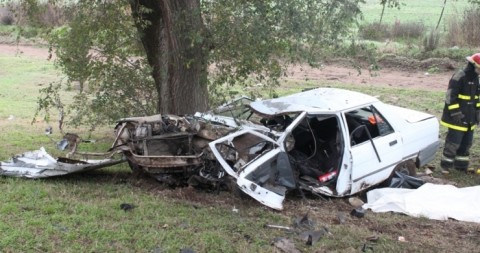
[103, 51]
[104, 63]
[254, 41]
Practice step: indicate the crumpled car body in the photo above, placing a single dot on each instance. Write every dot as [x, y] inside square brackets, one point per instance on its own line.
[328, 141]
[171, 148]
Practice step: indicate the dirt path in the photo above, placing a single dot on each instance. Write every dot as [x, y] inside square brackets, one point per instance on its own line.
[331, 72]
[384, 77]
[25, 51]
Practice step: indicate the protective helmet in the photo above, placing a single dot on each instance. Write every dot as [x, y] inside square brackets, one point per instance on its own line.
[475, 59]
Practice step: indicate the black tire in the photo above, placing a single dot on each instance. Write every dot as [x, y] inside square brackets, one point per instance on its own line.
[134, 167]
[137, 170]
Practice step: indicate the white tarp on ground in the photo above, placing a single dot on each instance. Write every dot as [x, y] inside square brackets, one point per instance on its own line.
[433, 201]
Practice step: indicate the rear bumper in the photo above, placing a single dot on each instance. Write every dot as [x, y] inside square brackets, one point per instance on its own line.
[427, 154]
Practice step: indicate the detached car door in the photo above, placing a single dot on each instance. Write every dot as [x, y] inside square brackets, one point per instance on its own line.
[375, 147]
[261, 167]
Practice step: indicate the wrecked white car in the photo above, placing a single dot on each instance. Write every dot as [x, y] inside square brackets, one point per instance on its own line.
[328, 141]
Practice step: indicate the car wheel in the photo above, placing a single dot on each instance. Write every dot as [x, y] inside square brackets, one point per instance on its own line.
[137, 170]
[407, 168]
[133, 166]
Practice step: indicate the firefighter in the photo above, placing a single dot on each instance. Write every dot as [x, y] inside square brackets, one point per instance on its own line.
[461, 115]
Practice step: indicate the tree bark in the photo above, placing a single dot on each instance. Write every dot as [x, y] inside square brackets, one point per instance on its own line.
[441, 14]
[383, 11]
[172, 33]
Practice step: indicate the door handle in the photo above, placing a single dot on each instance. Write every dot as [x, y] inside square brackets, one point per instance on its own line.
[393, 142]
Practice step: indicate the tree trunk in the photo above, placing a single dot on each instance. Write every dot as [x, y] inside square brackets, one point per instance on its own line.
[441, 14]
[383, 11]
[172, 33]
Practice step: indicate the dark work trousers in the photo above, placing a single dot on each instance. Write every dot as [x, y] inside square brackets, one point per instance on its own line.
[456, 149]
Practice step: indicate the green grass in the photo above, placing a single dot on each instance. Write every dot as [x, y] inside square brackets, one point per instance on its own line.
[21, 79]
[7, 30]
[73, 215]
[427, 11]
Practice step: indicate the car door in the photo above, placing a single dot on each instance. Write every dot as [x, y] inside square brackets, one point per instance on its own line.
[259, 163]
[375, 147]
[252, 158]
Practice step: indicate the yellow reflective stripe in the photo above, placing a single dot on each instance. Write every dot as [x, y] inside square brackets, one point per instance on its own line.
[464, 97]
[476, 97]
[446, 159]
[459, 128]
[462, 158]
[454, 106]
[478, 104]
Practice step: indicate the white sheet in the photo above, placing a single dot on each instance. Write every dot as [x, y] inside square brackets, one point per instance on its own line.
[433, 201]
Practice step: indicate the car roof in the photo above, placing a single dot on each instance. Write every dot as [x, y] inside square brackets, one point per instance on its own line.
[314, 100]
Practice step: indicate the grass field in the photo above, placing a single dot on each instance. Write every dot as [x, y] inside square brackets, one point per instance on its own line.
[428, 11]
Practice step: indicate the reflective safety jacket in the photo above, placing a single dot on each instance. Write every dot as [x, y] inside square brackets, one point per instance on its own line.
[462, 97]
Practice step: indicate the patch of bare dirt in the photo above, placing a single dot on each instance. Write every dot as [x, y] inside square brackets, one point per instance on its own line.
[432, 74]
[24, 51]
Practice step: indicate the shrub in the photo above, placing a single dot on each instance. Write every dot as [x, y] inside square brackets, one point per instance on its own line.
[431, 41]
[454, 34]
[453, 53]
[6, 20]
[407, 30]
[377, 31]
[374, 31]
[465, 31]
[48, 14]
[471, 26]
[28, 32]
[53, 15]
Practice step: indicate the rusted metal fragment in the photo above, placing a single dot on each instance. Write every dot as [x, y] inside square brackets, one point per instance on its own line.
[364, 186]
[40, 164]
[166, 161]
[212, 132]
[168, 144]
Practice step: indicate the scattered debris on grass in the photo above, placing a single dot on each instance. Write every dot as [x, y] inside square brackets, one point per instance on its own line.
[40, 164]
[126, 207]
[358, 212]
[285, 245]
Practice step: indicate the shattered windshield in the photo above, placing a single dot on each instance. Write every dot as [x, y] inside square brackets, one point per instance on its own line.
[237, 108]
